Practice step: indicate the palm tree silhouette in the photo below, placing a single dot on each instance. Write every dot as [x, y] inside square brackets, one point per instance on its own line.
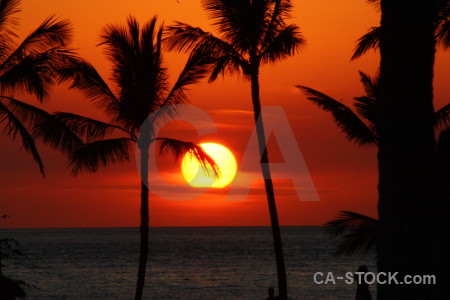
[362, 126]
[33, 67]
[371, 40]
[359, 231]
[251, 33]
[142, 89]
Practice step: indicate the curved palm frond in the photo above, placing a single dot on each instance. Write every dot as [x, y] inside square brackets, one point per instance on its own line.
[278, 12]
[13, 126]
[358, 233]
[352, 126]
[44, 126]
[367, 106]
[197, 67]
[179, 148]
[285, 43]
[85, 78]
[90, 157]
[184, 38]
[371, 85]
[442, 116]
[52, 33]
[443, 33]
[8, 8]
[88, 129]
[370, 40]
[35, 73]
[442, 23]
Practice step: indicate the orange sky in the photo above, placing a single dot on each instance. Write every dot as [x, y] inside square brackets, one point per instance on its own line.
[344, 175]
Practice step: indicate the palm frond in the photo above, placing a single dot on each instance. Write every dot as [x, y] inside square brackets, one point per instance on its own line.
[278, 11]
[443, 33]
[8, 8]
[237, 21]
[90, 157]
[227, 64]
[51, 34]
[153, 84]
[197, 67]
[8, 23]
[370, 40]
[35, 73]
[138, 72]
[121, 51]
[442, 116]
[88, 129]
[286, 43]
[179, 148]
[183, 37]
[352, 126]
[13, 126]
[85, 78]
[357, 232]
[367, 106]
[44, 126]
[371, 85]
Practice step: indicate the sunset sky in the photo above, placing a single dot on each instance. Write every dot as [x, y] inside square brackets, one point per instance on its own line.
[344, 175]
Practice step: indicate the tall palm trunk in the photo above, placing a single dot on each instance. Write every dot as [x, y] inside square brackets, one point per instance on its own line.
[281, 270]
[143, 252]
[407, 240]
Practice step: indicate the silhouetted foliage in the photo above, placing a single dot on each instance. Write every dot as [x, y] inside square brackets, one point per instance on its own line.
[362, 125]
[32, 66]
[250, 33]
[141, 89]
[357, 233]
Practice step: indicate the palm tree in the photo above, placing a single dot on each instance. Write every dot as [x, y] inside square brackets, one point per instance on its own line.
[142, 90]
[359, 231]
[251, 33]
[32, 66]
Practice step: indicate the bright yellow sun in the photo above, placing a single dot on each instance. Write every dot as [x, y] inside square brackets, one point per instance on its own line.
[196, 176]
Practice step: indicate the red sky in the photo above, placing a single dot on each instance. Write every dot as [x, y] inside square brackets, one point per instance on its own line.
[344, 175]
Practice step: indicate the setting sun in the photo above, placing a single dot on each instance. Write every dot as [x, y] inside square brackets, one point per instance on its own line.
[196, 176]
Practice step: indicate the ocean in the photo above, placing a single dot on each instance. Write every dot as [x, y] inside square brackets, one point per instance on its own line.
[198, 263]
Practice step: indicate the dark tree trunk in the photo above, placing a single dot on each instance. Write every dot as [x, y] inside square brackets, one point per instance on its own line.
[143, 252]
[443, 182]
[278, 246]
[407, 241]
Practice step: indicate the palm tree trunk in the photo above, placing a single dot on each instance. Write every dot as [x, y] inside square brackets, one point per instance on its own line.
[407, 240]
[281, 270]
[144, 227]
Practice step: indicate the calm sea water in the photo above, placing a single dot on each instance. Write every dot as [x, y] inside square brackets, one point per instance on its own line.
[184, 263]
